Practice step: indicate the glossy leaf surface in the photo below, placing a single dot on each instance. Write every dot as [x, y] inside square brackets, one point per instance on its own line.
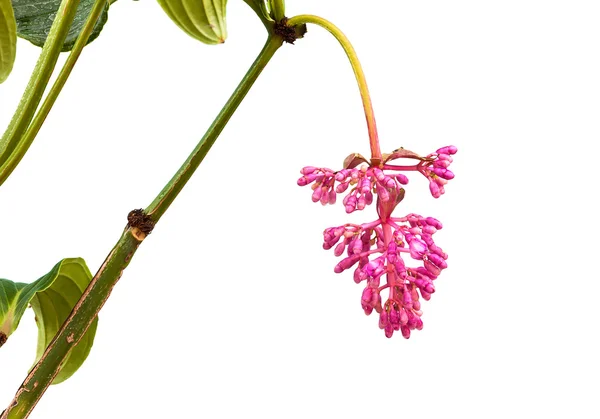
[34, 18]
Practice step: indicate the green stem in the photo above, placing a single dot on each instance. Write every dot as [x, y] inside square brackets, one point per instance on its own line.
[23, 145]
[39, 78]
[84, 312]
[160, 204]
[358, 72]
[278, 8]
[99, 289]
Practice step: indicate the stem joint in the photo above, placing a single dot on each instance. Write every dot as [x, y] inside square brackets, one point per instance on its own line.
[289, 33]
[140, 223]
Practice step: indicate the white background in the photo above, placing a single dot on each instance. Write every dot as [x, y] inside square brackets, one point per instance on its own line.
[231, 308]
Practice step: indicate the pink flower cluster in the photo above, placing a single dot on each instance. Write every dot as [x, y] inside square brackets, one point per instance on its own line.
[435, 168]
[365, 180]
[376, 248]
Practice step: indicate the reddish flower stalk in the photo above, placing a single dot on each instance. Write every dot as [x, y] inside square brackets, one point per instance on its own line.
[376, 248]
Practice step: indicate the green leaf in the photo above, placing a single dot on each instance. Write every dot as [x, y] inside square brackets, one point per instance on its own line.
[203, 20]
[34, 18]
[8, 39]
[52, 298]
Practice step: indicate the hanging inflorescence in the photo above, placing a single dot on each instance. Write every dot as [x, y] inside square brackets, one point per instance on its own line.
[376, 247]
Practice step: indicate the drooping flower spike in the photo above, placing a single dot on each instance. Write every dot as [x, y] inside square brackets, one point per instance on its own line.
[375, 249]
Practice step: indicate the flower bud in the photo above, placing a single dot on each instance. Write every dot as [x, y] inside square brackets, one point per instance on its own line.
[383, 319]
[443, 173]
[345, 264]
[342, 187]
[308, 170]
[433, 222]
[339, 249]
[447, 150]
[435, 190]
[316, 196]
